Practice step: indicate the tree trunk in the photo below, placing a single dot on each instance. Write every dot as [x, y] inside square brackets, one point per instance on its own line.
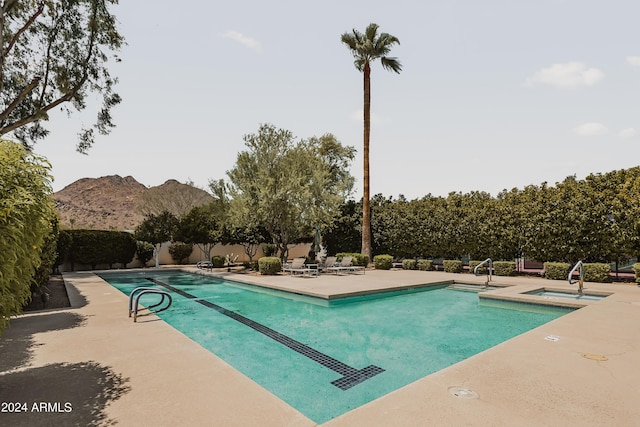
[366, 211]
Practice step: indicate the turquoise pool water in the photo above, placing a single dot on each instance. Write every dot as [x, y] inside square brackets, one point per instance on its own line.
[326, 358]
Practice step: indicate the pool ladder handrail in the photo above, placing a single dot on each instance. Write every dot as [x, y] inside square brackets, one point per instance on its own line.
[134, 298]
[489, 270]
[580, 267]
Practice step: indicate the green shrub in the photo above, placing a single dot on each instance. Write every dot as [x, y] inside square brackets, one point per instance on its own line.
[482, 270]
[269, 265]
[556, 270]
[357, 258]
[597, 272]
[217, 261]
[409, 264]
[144, 252]
[636, 269]
[250, 265]
[269, 250]
[425, 264]
[383, 262]
[180, 251]
[504, 268]
[452, 265]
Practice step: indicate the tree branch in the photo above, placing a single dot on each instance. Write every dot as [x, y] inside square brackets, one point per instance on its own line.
[24, 28]
[19, 99]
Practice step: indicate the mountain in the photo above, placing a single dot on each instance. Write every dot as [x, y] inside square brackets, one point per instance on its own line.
[117, 203]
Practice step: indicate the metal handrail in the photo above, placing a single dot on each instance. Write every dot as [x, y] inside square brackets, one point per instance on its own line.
[134, 300]
[580, 267]
[489, 269]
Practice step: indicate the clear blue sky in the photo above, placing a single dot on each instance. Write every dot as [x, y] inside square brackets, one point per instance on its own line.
[494, 94]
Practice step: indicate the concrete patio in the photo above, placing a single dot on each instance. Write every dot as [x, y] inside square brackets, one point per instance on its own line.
[110, 370]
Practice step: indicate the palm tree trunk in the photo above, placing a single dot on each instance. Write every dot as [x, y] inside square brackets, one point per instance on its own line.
[366, 211]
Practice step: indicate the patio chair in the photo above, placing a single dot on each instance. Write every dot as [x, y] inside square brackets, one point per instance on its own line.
[346, 265]
[297, 266]
[329, 262]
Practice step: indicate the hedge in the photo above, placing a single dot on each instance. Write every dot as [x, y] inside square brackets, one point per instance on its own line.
[452, 265]
[597, 272]
[556, 270]
[383, 262]
[269, 265]
[504, 268]
[93, 247]
[636, 269]
[356, 258]
[217, 261]
[425, 264]
[409, 264]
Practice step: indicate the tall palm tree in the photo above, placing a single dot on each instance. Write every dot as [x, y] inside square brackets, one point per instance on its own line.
[367, 48]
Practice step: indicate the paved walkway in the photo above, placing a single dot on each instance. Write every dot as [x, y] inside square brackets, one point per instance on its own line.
[91, 365]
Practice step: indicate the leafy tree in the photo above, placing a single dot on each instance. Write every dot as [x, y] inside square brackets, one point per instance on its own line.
[144, 251]
[368, 47]
[344, 235]
[180, 251]
[202, 226]
[53, 54]
[289, 187]
[250, 238]
[26, 212]
[157, 229]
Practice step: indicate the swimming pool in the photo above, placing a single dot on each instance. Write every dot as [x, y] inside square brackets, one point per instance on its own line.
[326, 358]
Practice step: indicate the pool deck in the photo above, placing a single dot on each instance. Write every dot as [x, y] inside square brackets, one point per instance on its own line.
[581, 369]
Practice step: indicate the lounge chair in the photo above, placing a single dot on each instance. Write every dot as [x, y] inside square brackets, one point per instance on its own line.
[329, 262]
[297, 266]
[346, 265]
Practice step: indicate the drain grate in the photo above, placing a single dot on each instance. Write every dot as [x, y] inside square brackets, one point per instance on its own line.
[350, 376]
[463, 393]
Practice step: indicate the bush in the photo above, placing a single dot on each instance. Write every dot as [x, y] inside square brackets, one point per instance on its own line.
[481, 270]
[597, 272]
[504, 268]
[383, 262]
[636, 269]
[425, 264]
[452, 265]
[250, 265]
[180, 251]
[357, 258]
[144, 252]
[269, 265]
[556, 270]
[269, 250]
[217, 261]
[409, 264]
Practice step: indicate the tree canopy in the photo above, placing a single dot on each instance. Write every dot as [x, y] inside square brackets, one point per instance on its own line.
[53, 53]
[289, 187]
[26, 212]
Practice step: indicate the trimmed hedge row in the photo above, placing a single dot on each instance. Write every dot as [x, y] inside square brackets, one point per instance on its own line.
[93, 247]
[504, 268]
[383, 262]
[597, 272]
[409, 264]
[636, 269]
[452, 265]
[269, 265]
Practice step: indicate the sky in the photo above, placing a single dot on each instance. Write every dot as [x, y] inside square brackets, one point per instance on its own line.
[493, 94]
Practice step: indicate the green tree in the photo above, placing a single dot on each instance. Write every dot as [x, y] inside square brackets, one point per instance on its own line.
[53, 54]
[367, 47]
[289, 187]
[26, 212]
[203, 226]
[157, 229]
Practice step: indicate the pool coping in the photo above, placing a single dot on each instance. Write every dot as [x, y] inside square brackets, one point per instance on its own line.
[528, 380]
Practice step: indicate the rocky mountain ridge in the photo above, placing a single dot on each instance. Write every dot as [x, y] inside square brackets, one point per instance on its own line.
[109, 202]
